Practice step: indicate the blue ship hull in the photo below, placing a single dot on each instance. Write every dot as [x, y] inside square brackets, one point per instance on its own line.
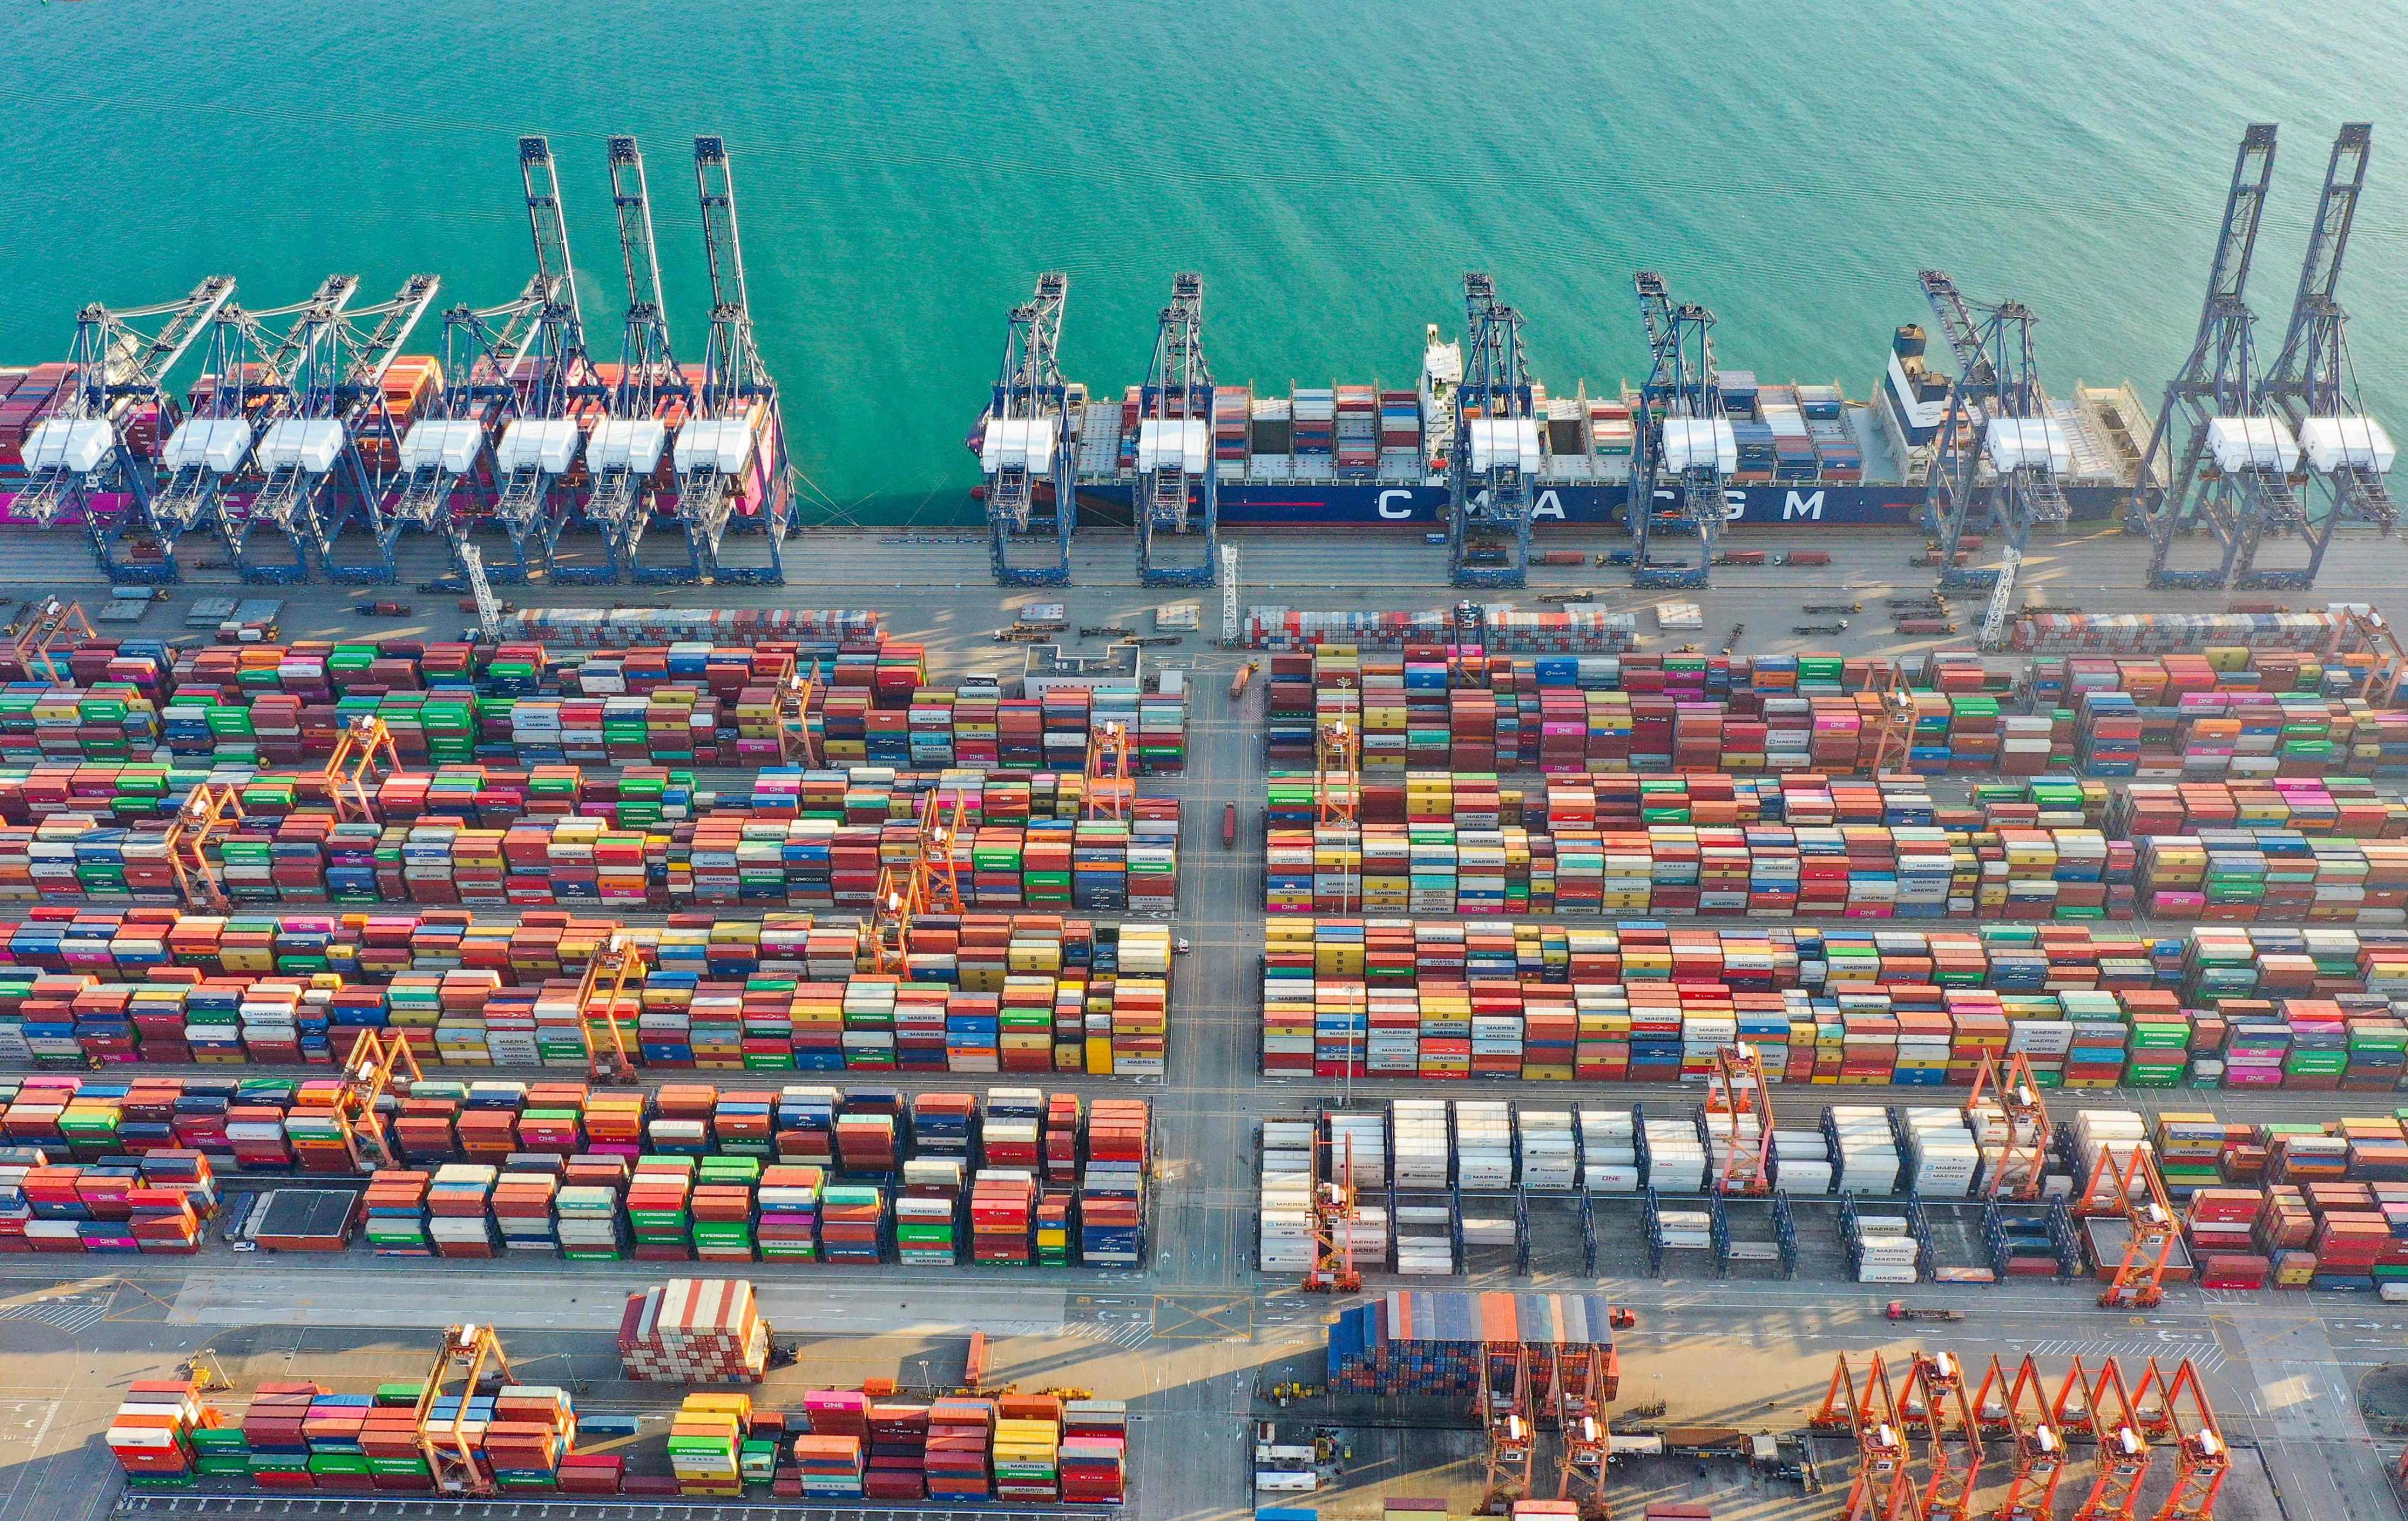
[1338, 504]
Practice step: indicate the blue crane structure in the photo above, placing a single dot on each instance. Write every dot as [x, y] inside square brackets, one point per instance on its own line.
[539, 444]
[1178, 496]
[1686, 447]
[2002, 458]
[208, 476]
[735, 440]
[328, 460]
[2314, 387]
[2229, 472]
[1022, 442]
[623, 457]
[83, 451]
[448, 454]
[1494, 452]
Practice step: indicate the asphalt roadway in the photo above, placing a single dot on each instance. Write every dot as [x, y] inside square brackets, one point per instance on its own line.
[1189, 1338]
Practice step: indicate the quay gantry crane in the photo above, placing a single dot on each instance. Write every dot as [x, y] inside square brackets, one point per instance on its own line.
[1022, 442]
[1939, 1406]
[735, 427]
[1738, 1105]
[318, 481]
[1884, 1488]
[2177, 1408]
[2002, 456]
[1495, 454]
[1505, 1416]
[241, 384]
[450, 447]
[2121, 1460]
[2313, 384]
[2024, 1135]
[82, 451]
[539, 444]
[2020, 1410]
[1178, 498]
[1684, 440]
[624, 456]
[2232, 466]
[275, 398]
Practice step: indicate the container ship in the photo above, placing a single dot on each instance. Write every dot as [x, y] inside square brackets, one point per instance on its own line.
[1352, 455]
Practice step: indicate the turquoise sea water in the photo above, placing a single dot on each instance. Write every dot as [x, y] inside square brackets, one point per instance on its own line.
[905, 170]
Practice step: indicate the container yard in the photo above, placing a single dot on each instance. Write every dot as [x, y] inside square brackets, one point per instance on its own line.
[1943, 1064]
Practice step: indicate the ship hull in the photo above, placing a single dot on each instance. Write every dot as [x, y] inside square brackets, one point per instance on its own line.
[1338, 505]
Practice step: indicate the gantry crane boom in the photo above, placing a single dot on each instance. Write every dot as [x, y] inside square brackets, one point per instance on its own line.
[1495, 454]
[2002, 457]
[1022, 442]
[1178, 489]
[624, 454]
[736, 436]
[2311, 381]
[2231, 466]
[83, 449]
[540, 445]
[1686, 447]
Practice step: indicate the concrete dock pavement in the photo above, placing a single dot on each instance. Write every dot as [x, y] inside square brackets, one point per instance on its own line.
[1188, 1338]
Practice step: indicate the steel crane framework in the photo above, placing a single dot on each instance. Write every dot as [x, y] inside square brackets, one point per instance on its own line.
[1495, 453]
[1686, 447]
[2002, 456]
[1177, 497]
[1023, 444]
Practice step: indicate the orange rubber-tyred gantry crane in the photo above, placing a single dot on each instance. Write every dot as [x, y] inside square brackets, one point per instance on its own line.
[2176, 1409]
[1333, 1270]
[924, 885]
[1110, 792]
[2133, 1190]
[1940, 1408]
[1867, 1408]
[2121, 1462]
[1738, 1098]
[602, 998]
[209, 810]
[2008, 1111]
[2019, 1410]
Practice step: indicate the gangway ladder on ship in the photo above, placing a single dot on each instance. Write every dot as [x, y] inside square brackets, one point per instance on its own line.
[2175, 1408]
[1024, 447]
[2026, 1138]
[2314, 384]
[739, 436]
[1866, 1407]
[1334, 1200]
[1686, 447]
[2133, 1191]
[1178, 495]
[1505, 1416]
[2230, 470]
[2002, 456]
[2122, 1458]
[2018, 1410]
[329, 464]
[926, 884]
[624, 455]
[600, 992]
[1495, 456]
[1939, 1406]
[83, 450]
[465, 1355]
